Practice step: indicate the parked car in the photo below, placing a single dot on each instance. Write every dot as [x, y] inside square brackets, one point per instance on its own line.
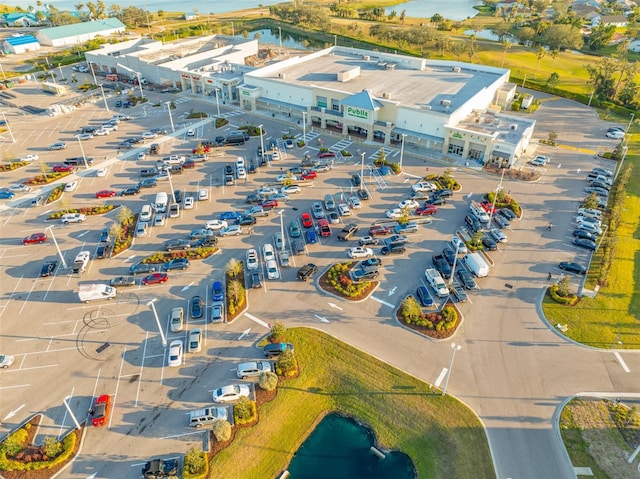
[48, 268]
[105, 194]
[424, 297]
[100, 410]
[176, 320]
[359, 252]
[585, 243]
[122, 281]
[276, 349]
[196, 307]
[175, 354]
[217, 291]
[155, 278]
[572, 267]
[466, 278]
[307, 271]
[230, 393]
[35, 238]
[177, 263]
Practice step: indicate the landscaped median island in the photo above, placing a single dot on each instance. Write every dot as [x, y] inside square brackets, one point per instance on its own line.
[236, 296]
[434, 324]
[443, 438]
[601, 434]
[339, 282]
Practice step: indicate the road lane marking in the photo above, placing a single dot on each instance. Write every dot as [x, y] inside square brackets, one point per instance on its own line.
[382, 301]
[621, 361]
[259, 321]
[443, 373]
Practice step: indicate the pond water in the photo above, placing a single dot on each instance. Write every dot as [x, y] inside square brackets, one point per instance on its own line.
[299, 42]
[452, 10]
[339, 448]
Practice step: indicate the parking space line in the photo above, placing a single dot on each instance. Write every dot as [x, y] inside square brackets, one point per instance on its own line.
[441, 377]
[621, 361]
[14, 387]
[144, 351]
[381, 301]
[10, 296]
[26, 300]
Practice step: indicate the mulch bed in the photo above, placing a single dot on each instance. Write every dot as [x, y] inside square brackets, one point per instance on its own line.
[327, 286]
[31, 449]
[432, 333]
[511, 173]
[240, 278]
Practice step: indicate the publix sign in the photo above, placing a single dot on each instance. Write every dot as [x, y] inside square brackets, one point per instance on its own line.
[358, 113]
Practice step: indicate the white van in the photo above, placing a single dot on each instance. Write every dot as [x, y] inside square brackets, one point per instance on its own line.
[207, 416]
[253, 369]
[145, 214]
[479, 212]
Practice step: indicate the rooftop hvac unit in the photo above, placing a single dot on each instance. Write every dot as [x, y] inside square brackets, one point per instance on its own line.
[282, 75]
[445, 102]
[456, 69]
[386, 95]
[426, 107]
[366, 58]
[513, 126]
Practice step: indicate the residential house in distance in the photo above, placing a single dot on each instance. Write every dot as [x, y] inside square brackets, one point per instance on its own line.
[21, 44]
[78, 33]
[615, 20]
[19, 19]
[191, 16]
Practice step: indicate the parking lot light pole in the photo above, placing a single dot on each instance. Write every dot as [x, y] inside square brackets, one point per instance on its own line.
[261, 145]
[152, 305]
[362, 170]
[106, 106]
[402, 150]
[64, 263]
[13, 140]
[282, 227]
[453, 266]
[140, 85]
[84, 157]
[304, 126]
[173, 192]
[75, 421]
[493, 205]
[173, 128]
[455, 347]
[218, 101]
[93, 73]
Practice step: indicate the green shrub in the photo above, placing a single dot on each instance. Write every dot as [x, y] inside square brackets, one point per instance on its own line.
[195, 462]
[51, 447]
[268, 381]
[278, 331]
[570, 300]
[221, 430]
[245, 411]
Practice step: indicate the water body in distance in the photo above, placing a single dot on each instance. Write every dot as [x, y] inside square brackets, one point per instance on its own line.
[203, 8]
[339, 448]
[452, 9]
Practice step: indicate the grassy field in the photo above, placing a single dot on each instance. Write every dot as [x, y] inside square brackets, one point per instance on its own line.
[593, 440]
[441, 435]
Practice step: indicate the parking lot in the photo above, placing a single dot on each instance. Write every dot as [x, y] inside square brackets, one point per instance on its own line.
[115, 347]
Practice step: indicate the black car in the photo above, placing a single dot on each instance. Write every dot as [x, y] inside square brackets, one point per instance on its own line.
[445, 193]
[307, 271]
[508, 214]
[253, 199]
[371, 262]
[208, 241]
[104, 251]
[466, 278]
[472, 223]
[457, 292]
[255, 279]
[228, 170]
[442, 266]
[489, 243]
[125, 145]
[176, 263]
[578, 233]
[154, 148]
[196, 306]
[347, 232]
[424, 297]
[501, 221]
[177, 244]
[393, 249]
[449, 255]
[143, 268]
[363, 194]
[159, 131]
[436, 201]
[121, 281]
[177, 194]
[246, 220]
[131, 191]
[572, 267]
[48, 268]
[585, 243]
[135, 140]
[159, 468]
[356, 180]
[148, 172]
[219, 141]
[298, 246]
[105, 236]
[148, 183]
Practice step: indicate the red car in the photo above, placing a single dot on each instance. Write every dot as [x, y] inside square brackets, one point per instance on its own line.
[427, 209]
[269, 204]
[309, 175]
[62, 168]
[101, 410]
[205, 149]
[326, 154]
[35, 238]
[307, 222]
[379, 230]
[105, 194]
[189, 164]
[488, 207]
[155, 278]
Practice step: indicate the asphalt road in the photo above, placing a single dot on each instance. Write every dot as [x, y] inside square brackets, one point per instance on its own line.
[513, 370]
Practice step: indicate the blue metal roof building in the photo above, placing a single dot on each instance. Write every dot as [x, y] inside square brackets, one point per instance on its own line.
[21, 44]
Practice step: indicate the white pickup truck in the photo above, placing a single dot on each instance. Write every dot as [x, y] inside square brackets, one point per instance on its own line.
[81, 262]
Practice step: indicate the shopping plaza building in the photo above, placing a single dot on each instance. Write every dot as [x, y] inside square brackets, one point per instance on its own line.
[451, 107]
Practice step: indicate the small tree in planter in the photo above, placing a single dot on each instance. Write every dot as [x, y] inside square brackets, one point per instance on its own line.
[195, 461]
[245, 411]
[278, 332]
[221, 430]
[287, 365]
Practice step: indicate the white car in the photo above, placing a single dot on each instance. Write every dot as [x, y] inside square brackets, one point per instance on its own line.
[285, 177]
[6, 360]
[395, 213]
[109, 127]
[288, 190]
[267, 191]
[344, 210]
[159, 220]
[216, 224]
[272, 270]
[176, 320]
[458, 244]
[101, 132]
[239, 162]
[71, 186]
[424, 186]
[241, 173]
[141, 156]
[191, 132]
[195, 341]
[498, 235]
[252, 259]
[30, 158]
[203, 194]
[275, 155]
[616, 134]
[19, 187]
[359, 252]
[233, 230]
[232, 392]
[188, 203]
[149, 135]
[410, 204]
[175, 353]
[267, 253]
[101, 172]
[354, 201]
[85, 136]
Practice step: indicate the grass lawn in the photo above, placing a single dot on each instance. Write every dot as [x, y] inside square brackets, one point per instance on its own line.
[593, 440]
[441, 435]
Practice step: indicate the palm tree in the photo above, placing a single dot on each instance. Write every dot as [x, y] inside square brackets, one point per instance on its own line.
[540, 54]
[506, 45]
